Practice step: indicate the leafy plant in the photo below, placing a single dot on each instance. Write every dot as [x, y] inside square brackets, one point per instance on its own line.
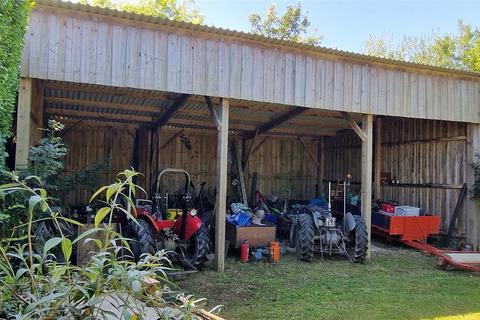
[475, 189]
[293, 25]
[13, 23]
[37, 284]
[47, 158]
[459, 50]
[171, 9]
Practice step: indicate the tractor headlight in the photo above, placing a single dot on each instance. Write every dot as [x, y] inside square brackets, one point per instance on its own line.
[193, 212]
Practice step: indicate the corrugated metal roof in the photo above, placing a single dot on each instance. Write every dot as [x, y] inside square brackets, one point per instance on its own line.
[247, 36]
[64, 100]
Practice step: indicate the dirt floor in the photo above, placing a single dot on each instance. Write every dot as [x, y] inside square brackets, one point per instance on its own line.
[397, 283]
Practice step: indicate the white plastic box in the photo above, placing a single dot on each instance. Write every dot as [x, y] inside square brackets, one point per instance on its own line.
[407, 211]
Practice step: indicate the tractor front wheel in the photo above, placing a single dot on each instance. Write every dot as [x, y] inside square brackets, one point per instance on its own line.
[358, 241]
[196, 249]
[305, 237]
[142, 237]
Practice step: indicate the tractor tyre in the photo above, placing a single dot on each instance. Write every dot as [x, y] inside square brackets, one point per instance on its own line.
[198, 248]
[358, 241]
[142, 237]
[45, 230]
[305, 237]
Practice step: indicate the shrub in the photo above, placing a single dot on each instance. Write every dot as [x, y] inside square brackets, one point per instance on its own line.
[13, 22]
[45, 284]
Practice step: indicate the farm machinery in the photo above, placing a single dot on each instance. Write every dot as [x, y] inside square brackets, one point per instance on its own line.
[167, 221]
[317, 228]
[170, 222]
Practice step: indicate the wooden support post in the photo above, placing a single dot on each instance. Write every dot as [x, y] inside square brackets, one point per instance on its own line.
[29, 119]
[221, 202]
[367, 146]
[472, 206]
[378, 158]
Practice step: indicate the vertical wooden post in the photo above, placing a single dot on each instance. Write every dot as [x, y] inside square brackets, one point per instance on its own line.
[24, 124]
[378, 158]
[221, 204]
[30, 116]
[367, 146]
[472, 207]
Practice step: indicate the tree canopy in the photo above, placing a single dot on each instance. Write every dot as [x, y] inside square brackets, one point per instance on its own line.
[293, 25]
[171, 9]
[459, 50]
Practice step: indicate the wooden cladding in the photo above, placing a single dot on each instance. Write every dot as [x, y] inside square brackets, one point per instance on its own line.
[280, 164]
[428, 158]
[65, 46]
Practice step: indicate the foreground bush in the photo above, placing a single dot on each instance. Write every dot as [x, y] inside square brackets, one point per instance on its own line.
[41, 282]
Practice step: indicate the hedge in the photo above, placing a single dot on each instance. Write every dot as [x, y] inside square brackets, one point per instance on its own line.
[13, 25]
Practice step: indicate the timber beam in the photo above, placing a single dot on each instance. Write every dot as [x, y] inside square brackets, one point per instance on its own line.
[296, 111]
[177, 104]
[354, 126]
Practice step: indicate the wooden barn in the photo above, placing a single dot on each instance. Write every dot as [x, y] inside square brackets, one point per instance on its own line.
[132, 88]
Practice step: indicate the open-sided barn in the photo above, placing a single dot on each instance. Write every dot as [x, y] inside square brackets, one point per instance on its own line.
[128, 86]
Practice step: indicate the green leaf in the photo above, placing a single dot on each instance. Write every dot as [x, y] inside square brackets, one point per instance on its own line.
[43, 193]
[67, 248]
[20, 272]
[111, 191]
[101, 214]
[86, 234]
[51, 243]
[98, 192]
[9, 186]
[32, 202]
[75, 222]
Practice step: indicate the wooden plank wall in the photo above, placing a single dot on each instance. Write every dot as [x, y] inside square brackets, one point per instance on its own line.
[415, 152]
[90, 145]
[280, 164]
[67, 45]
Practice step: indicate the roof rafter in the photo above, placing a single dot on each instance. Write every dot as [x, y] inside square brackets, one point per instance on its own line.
[277, 121]
[177, 104]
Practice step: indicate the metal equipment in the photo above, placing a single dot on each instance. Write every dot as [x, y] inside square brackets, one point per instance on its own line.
[318, 230]
[156, 228]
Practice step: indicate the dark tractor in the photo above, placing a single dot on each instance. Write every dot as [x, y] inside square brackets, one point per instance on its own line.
[316, 229]
[170, 222]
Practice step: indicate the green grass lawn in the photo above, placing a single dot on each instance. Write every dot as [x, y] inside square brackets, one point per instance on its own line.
[402, 284]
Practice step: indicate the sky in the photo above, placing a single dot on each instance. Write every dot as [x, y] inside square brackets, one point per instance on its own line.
[347, 24]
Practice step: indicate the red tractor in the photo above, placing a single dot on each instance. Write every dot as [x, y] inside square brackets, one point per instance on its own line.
[170, 222]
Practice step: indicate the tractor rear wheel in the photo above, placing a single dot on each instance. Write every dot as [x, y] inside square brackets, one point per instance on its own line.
[305, 237]
[143, 238]
[45, 230]
[197, 249]
[358, 241]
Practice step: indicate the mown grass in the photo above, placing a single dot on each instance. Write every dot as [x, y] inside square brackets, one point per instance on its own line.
[402, 284]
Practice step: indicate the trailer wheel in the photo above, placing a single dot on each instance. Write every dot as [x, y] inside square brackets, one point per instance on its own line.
[197, 249]
[142, 237]
[358, 241]
[305, 237]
